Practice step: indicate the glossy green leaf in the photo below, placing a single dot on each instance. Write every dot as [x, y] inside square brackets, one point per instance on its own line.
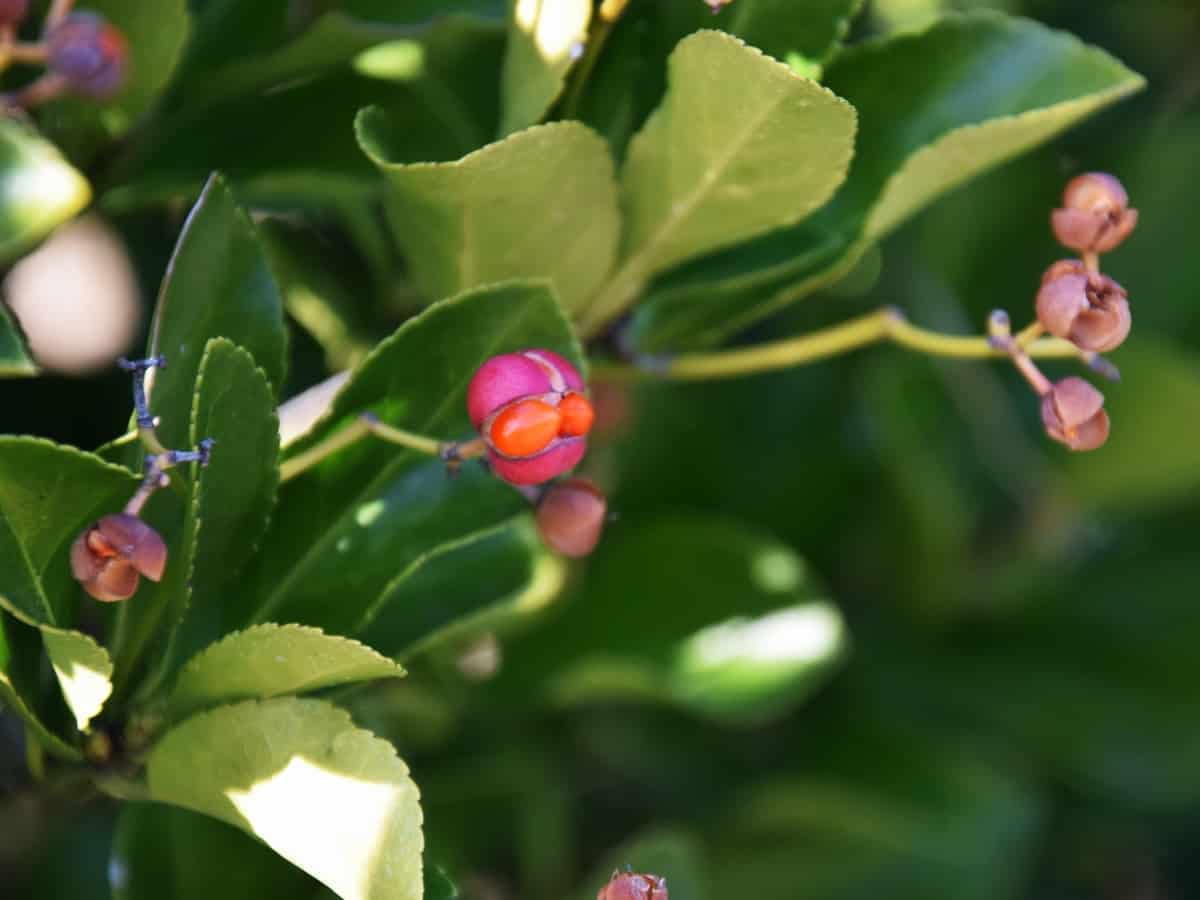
[218, 284]
[229, 501]
[352, 525]
[740, 145]
[539, 204]
[15, 361]
[294, 145]
[331, 798]
[167, 851]
[19, 659]
[954, 123]
[273, 660]
[754, 637]
[489, 585]
[39, 190]
[48, 494]
[84, 671]
[544, 39]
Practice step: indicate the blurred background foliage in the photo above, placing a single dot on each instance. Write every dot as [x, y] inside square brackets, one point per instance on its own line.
[1009, 708]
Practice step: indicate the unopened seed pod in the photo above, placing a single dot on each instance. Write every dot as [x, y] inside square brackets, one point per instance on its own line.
[109, 556]
[634, 886]
[1073, 414]
[570, 517]
[1095, 216]
[532, 411]
[90, 53]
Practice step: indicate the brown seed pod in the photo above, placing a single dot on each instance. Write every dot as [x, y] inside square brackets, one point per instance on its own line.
[1090, 311]
[13, 12]
[1073, 414]
[1095, 216]
[108, 557]
[633, 886]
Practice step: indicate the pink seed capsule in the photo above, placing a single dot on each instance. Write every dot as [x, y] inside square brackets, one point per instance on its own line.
[108, 557]
[13, 12]
[1073, 414]
[90, 53]
[633, 886]
[1095, 216]
[532, 411]
[570, 517]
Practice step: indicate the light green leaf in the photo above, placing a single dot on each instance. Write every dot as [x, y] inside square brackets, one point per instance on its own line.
[978, 89]
[229, 504]
[218, 284]
[48, 494]
[543, 40]
[84, 671]
[754, 638]
[384, 509]
[331, 798]
[39, 190]
[271, 660]
[740, 145]
[19, 663]
[539, 204]
[15, 361]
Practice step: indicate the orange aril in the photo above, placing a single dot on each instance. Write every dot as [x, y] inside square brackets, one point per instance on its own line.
[577, 415]
[525, 428]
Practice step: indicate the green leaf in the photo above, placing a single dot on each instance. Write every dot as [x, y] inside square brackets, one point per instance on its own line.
[541, 203]
[19, 660]
[272, 660]
[39, 190]
[218, 284]
[48, 494]
[812, 31]
[331, 798]
[167, 851]
[740, 145]
[229, 502]
[754, 637]
[543, 39]
[357, 522]
[488, 585]
[15, 361]
[978, 89]
[83, 669]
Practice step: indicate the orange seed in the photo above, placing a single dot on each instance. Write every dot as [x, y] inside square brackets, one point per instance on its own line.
[525, 428]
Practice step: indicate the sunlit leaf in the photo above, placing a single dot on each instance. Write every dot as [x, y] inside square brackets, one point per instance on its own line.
[544, 39]
[84, 671]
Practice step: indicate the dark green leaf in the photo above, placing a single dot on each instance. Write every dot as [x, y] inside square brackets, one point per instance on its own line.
[166, 851]
[48, 494]
[954, 122]
[753, 638]
[218, 285]
[39, 190]
[490, 584]
[331, 798]
[347, 529]
[456, 220]
[19, 659]
[15, 361]
[229, 502]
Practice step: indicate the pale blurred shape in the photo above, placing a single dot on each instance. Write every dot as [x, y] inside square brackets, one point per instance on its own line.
[797, 634]
[555, 27]
[392, 61]
[77, 298]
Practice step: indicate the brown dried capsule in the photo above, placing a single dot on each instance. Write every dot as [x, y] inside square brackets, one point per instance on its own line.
[1090, 311]
[1095, 216]
[108, 558]
[570, 517]
[632, 886]
[1073, 414]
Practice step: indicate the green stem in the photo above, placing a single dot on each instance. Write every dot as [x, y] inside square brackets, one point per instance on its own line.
[366, 424]
[886, 324]
[606, 17]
